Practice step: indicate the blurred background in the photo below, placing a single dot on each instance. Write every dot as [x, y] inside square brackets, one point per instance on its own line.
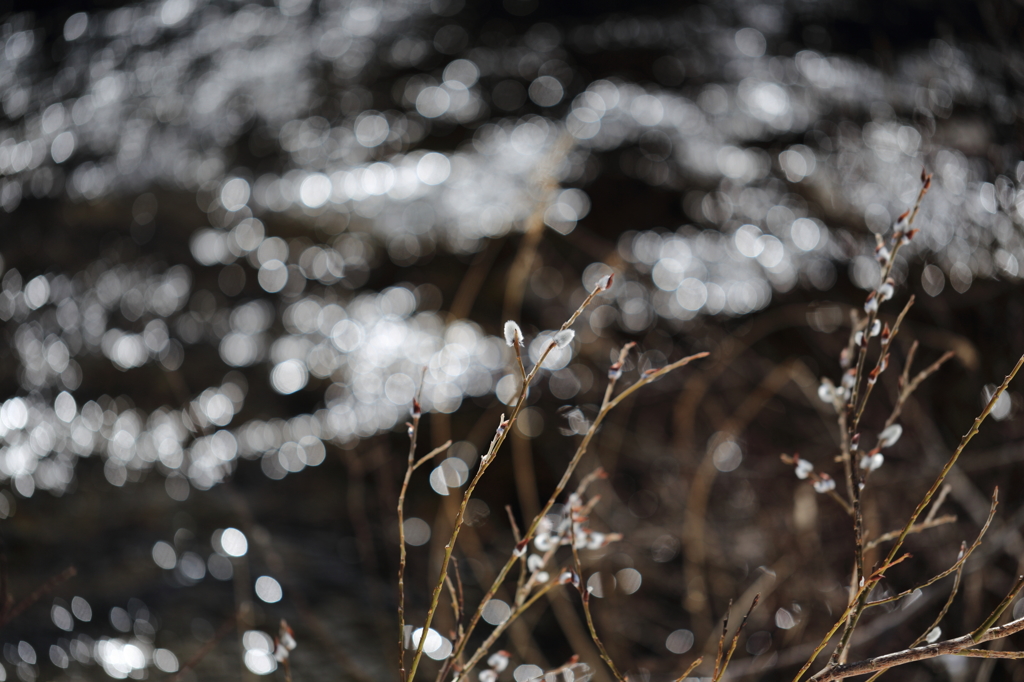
[236, 237]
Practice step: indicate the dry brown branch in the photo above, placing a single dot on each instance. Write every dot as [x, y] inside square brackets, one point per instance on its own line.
[927, 524]
[962, 646]
[37, 594]
[222, 632]
[689, 669]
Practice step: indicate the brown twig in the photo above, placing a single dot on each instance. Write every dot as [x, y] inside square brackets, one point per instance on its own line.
[196, 659]
[961, 646]
[927, 524]
[38, 594]
[720, 673]
[689, 669]
[852, 613]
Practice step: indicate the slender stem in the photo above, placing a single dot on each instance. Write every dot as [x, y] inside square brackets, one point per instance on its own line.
[961, 646]
[410, 467]
[961, 560]
[500, 628]
[485, 462]
[927, 524]
[999, 610]
[607, 405]
[689, 669]
[584, 591]
[852, 613]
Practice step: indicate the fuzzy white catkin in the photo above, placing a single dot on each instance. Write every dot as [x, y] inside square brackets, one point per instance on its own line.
[827, 392]
[564, 338]
[498, 661]
[513, 334]
[888, 437]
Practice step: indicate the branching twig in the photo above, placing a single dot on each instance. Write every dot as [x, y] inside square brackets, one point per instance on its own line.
[720, 672]
[962, 646]
[607, 405]
[37, 594]
[225, 628]
[927, 524]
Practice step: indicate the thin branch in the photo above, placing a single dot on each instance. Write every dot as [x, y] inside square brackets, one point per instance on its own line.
[431, 455]
[943, 494]
[909, 387]
[989, 653]
[225, 628]
[690, 669]
[501, 434]
[735, 639]
[961, 560]
[414, 430]
[963, 644]
[999, 610]
[927, 524]
[607, 404]
[37, 594]
[584, 591]
[926, 500]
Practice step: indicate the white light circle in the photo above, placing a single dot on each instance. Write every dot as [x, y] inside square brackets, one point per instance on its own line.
[289, 376]
[233, 542]
[315, 190]
[268, 589]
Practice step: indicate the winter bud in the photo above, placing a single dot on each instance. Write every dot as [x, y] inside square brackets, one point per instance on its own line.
[513, 334]
[827, 392]
[824, 484]
[498, 661]
[888, 437]
[872, 462]
[882, 254]
[886, 291]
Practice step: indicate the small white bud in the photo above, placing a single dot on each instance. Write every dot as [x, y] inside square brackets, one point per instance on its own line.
[564, 338]
[513, 334]
[849, 379]
[872, 462]
[871, 304]
[933, 635]
[543, 576]
[886, 291]
[487, 676]
[605, 283]
[858, 339]
[827, 392]
[803, 469]
[889, 436]
[543, 542]
[825, 484]
[876, 328]
[498, 661]
[534, 562]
